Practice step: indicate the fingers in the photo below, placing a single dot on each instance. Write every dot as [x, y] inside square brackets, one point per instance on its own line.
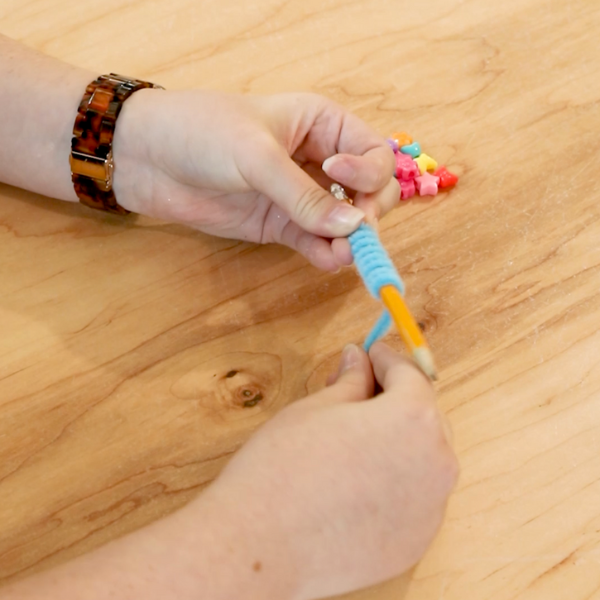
[307, 203]
[350, 150]
[354, 155]
[342, 252]
[402, 380]
[393, 371]
[315, 249]
[323, 254]
[380, 203]
[367, 173]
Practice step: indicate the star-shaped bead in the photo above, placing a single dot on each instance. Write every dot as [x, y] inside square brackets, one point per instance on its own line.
[426, 163]
[447, 179]
[427, 184]
[413, 149]
[407, 189]
[402, 138]
[406, 168]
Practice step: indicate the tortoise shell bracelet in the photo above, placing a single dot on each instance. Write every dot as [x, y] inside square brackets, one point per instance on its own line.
[91, 156]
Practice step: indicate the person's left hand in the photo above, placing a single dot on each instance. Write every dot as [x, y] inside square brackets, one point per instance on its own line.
[249, 167]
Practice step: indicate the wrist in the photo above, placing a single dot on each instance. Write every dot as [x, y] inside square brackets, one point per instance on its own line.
[244, 554]
[211, 548]
[132, 154]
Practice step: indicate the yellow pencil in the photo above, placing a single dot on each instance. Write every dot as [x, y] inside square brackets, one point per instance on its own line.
[409, 330]
[407, 327]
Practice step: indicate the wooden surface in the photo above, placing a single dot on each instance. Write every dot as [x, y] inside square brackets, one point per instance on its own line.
[115, 402]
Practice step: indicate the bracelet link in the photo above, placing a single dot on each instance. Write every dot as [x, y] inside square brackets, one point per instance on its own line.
[95, 167]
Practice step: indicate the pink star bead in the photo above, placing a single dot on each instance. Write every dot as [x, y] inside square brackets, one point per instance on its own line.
[407, 189]
[427, 184]
[406, 167]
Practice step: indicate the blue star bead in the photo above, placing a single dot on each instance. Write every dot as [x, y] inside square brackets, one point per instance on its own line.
[413, 149]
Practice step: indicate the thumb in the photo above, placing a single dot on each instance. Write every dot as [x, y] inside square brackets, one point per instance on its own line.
[354, 380]
[305, 201]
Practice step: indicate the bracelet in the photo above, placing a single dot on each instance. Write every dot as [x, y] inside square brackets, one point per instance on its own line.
[91, 156]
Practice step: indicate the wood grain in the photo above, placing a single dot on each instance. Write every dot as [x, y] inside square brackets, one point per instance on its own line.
[124, 389]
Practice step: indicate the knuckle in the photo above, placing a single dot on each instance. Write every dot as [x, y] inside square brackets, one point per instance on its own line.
[421, 417]
[425, 415]
[379, 177]
[309, 203]
[265, 150]
[265, 146]
[319, 100]
[411, 375]
[420, 388]
[314, 105]
[312, 97]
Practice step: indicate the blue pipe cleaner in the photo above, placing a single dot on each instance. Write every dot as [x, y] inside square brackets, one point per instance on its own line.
[376, 268]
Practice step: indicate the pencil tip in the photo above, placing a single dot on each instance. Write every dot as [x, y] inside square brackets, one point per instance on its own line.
[424, 360]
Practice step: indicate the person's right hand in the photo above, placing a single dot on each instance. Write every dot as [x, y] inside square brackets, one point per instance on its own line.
[337, 492]
[344, 490]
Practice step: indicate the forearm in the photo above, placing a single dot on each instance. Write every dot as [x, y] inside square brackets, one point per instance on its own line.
[39, 97]
[199, 553]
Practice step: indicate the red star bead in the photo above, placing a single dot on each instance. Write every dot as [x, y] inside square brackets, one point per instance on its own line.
[447, 179]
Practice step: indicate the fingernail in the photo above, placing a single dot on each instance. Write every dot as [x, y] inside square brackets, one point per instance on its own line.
[350, 358]
[337, 168]
[344, 219]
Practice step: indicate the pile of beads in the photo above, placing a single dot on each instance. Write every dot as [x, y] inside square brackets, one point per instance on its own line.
[415, 170]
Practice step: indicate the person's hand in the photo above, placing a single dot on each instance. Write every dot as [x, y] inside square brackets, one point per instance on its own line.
[337, 492]
[250, 167]
[347, 491]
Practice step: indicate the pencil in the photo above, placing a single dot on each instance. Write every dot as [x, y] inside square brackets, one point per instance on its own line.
[407, 327]
[409, 330]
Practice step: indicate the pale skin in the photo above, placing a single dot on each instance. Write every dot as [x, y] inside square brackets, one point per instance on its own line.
[363, 477]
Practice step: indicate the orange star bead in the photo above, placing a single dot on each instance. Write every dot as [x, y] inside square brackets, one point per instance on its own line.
[402, 138]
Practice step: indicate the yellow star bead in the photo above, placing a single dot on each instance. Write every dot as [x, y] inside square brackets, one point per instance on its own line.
[426, 163]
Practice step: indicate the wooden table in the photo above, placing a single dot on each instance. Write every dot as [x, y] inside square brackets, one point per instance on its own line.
[117, 399]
